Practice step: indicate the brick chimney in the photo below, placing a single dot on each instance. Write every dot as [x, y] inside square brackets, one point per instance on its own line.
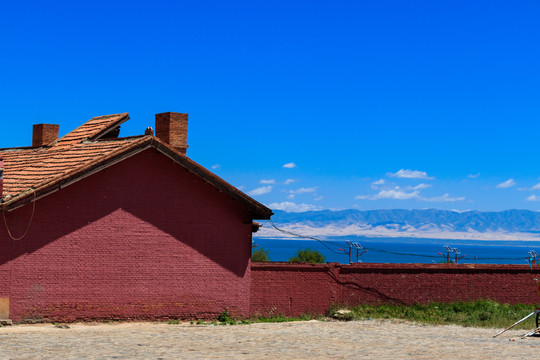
[171, 128]
[44, 134]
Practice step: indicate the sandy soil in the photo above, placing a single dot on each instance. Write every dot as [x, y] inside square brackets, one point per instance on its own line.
[293, 340]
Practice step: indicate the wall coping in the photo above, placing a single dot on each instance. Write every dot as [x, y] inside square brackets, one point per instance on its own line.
[389, 267]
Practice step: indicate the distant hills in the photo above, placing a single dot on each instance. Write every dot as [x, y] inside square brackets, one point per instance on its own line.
[429, 223]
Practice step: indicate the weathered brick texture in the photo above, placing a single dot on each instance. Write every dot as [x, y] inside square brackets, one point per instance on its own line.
[293, 289]
[142, 239]
[171, 127]
[44, 134]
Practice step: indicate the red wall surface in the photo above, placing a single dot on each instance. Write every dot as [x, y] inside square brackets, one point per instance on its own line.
[294, 289]
[145, 239]
[141, 239]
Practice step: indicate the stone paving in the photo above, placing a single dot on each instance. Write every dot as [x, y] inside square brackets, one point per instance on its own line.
[292, 340]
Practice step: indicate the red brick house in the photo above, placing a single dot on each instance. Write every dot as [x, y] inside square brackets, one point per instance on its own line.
[96, 226]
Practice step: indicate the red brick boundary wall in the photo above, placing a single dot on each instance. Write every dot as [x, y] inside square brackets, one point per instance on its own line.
[294, 289]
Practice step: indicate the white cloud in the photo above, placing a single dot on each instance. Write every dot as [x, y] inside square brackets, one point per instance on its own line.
[289, 181]
[303, 190]
[420, 186]
[292, 207]
[289, 165]
[375, 185]
[267, 181]
[319, 198]
[396, 194]
[260, 191]
[473, 176]
[215, 166]
[411, 174]
[533, 198]
[535, 187]
[290, 196]
[444, 198]
[508, 183]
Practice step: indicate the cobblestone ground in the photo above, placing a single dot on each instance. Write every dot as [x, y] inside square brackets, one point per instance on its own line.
[293, 340]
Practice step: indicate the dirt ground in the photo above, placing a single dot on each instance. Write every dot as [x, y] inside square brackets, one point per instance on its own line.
[372, 339]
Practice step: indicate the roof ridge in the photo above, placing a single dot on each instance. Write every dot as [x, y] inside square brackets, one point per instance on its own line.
[106, 116]
[50, 155]
[92, 129]
[19, 148]
[90, 163]
[116, 139]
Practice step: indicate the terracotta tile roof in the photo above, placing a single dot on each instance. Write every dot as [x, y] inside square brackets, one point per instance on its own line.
[31, 168]
[93, 129]
[30, 172]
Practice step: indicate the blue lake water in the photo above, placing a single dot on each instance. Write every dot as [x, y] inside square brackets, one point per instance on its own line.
[403, 250]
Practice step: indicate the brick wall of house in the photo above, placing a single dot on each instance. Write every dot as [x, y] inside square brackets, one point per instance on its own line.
[293, 289]
[143, 239]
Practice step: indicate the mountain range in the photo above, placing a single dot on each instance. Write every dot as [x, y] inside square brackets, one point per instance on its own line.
[428, 223]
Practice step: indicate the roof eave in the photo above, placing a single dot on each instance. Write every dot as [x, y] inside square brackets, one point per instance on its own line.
[258, 210]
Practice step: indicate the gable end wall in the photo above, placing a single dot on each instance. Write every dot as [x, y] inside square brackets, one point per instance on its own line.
[143, 239]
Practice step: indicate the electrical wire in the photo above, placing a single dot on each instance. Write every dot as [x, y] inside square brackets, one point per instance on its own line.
[29, 222]
[304, 237]
[342, 253]
[475, 258]
[400, 253]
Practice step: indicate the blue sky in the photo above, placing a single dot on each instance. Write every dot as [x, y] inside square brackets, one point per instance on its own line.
[379, 104]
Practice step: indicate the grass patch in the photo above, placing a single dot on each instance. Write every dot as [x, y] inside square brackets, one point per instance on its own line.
[224, 317]
[273, 319]
[482, 313]
[282, 318]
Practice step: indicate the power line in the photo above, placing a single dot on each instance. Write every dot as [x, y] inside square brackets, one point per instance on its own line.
[399, 253]
[304, 237]
[341, 253]
[324, 243]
